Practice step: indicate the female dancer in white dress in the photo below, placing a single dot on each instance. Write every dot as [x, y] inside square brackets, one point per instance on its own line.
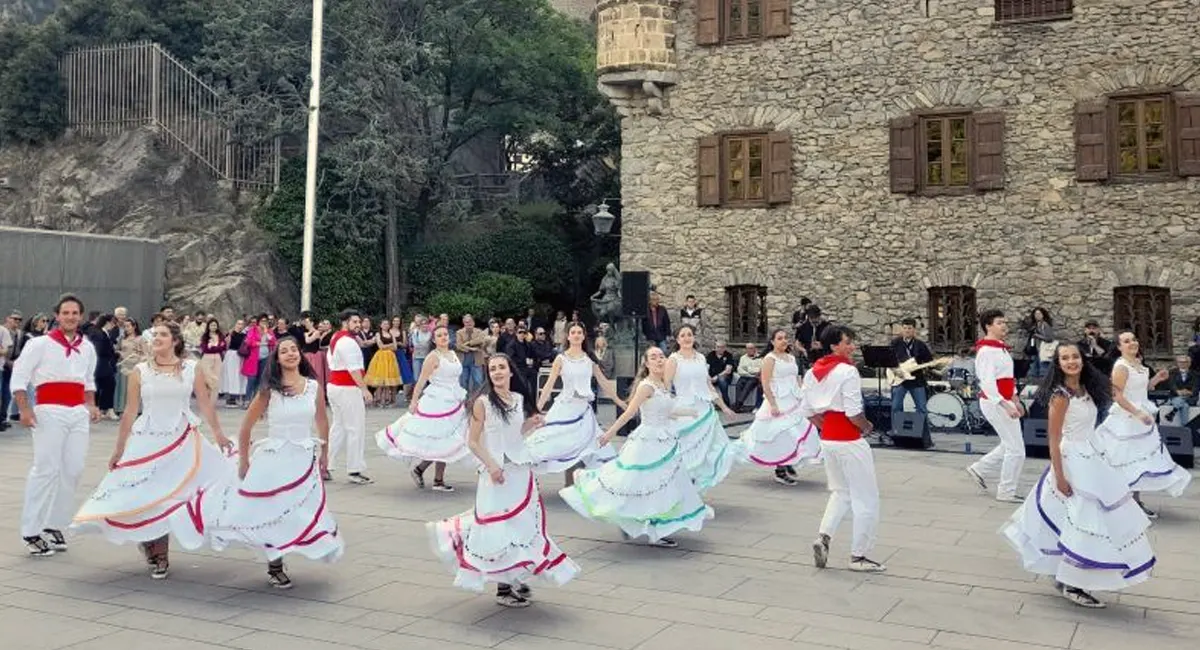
[162, 466]
[279, 506]
[780, 437]
[707, 453]
[435, 428]
[569, 436]
[1080, 522]
[646, 491]
[1129, 438]
[503, 539]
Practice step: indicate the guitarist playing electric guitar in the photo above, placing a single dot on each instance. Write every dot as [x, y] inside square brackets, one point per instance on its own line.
[907, 346]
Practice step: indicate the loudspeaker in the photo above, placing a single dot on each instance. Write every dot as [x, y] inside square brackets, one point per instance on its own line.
[908, 431]
[878, 410]
[1179, 443]
[1035, 431]
[635, 292]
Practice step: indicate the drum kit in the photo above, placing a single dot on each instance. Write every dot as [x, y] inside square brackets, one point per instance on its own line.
[953, 402]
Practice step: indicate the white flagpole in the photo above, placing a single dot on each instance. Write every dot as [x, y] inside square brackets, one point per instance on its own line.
[310, 184]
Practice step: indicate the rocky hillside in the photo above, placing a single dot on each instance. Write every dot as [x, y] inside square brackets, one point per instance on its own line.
[127, 185]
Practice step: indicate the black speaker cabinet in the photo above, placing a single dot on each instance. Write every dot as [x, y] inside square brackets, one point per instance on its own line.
[1180, 445]
[1037, 437]
[878, 409]
[635, 292]
[908, 431]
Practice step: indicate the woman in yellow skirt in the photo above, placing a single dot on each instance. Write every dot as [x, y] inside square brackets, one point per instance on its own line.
[384, 372]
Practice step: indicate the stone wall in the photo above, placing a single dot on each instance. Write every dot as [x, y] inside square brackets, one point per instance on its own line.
[635, 34]
[867, 255]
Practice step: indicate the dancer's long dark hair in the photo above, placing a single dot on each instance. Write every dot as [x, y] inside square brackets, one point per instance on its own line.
[586, 344]
[1091, 381]
[675, 345]
[273, 373]
[515, 385]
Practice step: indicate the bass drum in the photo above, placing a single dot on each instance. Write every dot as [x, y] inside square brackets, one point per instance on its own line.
[946, 411]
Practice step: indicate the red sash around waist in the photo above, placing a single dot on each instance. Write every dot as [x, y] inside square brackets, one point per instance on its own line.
[60, 393]
[838, 427]
[1007, 387]
[341, 378]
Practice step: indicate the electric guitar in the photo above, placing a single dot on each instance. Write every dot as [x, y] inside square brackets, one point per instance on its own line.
[904, 372]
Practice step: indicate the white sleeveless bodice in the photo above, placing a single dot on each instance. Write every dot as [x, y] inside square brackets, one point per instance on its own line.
[1137, 383]
[783, 379]
[656, 411]
[503, 440]
[292, 417]
[1080, 421]
[448, 372]
[166, 397]
[577, 378]
[691, 378]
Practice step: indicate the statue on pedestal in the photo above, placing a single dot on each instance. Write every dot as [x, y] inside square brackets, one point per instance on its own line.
[606, 302]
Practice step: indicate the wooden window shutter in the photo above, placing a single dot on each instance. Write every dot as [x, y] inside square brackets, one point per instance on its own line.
[779, 18]
[987, 146]
[708, 22]
[902, 158]
[1091, 140]
[779, 167]
[708, 167]
[1187, 134]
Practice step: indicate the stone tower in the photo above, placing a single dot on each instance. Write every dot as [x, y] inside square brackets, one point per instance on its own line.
[635, 52]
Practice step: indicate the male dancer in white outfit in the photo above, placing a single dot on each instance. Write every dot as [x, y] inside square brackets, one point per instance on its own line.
[832, 400]
[348, 396]
[1000, 405]
[61, 366]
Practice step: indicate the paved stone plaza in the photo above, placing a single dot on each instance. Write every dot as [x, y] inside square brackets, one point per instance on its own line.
[746, 582]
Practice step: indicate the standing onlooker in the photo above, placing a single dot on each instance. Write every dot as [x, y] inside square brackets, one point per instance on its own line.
[259, 343]
[541, 349]
[384, 372]
[100, 334]
[520, 350]
[157, 319]
[310, 347]
[560, 331]
[808, 334]
[690, 313]
[132, 352]
[469, 342]
[530, 322]
[193, 331]
[403, 357]
[419, 338]
[492, 338]
[233, 383]
[367, 342]
[1184, 386]
[212, 355]
[657, 326]
[800, 315]
[34, 327]
[608, 363]
[720, 369]
[8, 341]
[1040, 343]
[1096, 349]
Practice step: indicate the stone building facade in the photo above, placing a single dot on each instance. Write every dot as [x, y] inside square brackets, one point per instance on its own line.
[928, 158]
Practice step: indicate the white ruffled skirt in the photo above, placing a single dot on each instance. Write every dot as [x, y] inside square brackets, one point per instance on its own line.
[280, 507]
[569, 437]
[786, 439]
[435, 429]
[233, 382]
[1093, 539]
[503, 539]
[1137, 451]
[159, 487]
[646, 491]
[708, 454]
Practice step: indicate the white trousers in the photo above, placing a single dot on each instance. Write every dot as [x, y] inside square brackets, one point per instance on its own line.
[1009, 456]
[347, 426]
[60, 445]
[850, 472]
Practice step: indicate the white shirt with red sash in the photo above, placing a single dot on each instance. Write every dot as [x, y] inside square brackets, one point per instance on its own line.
[60, 370]
[994, 367]
[345, 356]
[833, 388]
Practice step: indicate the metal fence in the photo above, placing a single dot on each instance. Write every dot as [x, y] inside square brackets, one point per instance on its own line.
[105, 272]
[118, 87]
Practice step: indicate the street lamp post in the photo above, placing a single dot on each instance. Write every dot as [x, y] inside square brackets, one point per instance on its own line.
[310, 181]
[602, 224]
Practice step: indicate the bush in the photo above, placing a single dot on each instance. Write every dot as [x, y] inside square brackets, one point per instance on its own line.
[457, 303]
[508, 295]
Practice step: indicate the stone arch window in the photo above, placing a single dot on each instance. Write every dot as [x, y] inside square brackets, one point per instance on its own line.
[1138, 136]
[747, 307]
[1146, 311]
[952, 317]
[947, 151]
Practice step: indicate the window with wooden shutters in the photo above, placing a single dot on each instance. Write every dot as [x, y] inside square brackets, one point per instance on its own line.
[953, 315]
[945, 152]
[1145, 311]
[1131, 137]
[745, 169]
[1033, 10]
[1187, 138]
[733, 21]
[747, 305]
[1141, 135]
[1091, 141]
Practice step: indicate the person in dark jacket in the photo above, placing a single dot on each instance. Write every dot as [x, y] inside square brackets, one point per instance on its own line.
[657, 324]
[101, 335]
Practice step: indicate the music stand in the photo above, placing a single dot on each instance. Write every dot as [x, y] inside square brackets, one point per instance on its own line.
[880, 358]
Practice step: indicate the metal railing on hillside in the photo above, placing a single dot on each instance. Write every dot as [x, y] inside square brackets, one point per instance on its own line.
[114, 88]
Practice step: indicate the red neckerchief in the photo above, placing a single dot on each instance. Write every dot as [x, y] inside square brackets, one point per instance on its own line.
[71, 346]
[991, 343]
[826, 364]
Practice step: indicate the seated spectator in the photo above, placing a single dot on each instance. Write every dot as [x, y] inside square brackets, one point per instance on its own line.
[720, 369]
[749, 380]
[1184, 385]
